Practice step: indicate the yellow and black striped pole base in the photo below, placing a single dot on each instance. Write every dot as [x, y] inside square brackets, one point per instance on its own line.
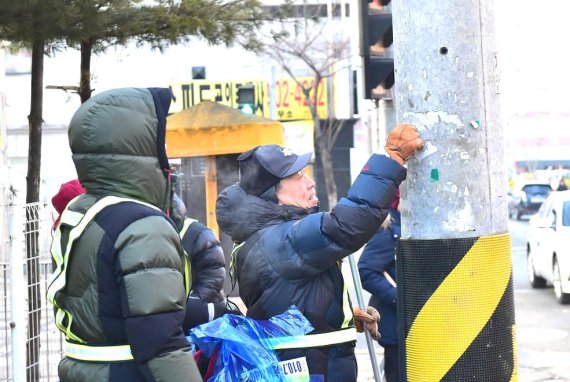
[456, 310]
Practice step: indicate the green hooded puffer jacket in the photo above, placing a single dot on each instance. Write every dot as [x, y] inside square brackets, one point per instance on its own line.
[125, 278]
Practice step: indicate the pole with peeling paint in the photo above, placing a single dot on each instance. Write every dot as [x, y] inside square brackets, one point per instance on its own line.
[456, 305]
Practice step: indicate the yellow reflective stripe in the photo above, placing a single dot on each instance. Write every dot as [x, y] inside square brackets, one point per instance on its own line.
[58, 259]
[187, 274]
[98, 353]
[233, 256]
[235, 250]
[59, 281]
[71, 218]
[187, 263]
[186, 225]
[58, 278]
[313, 340]
[346, 307]
[60, 316]
[68, 333]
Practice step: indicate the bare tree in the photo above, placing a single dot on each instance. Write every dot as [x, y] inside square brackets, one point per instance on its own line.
[300, 47]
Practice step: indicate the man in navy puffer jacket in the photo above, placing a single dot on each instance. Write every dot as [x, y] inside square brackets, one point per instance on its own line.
[377, 268]
[288, 253]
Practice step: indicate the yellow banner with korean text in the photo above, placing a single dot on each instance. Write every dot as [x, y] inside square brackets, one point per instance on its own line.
[290, 102]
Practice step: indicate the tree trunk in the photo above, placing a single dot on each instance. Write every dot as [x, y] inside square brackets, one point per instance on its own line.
[35, 121]
[328, 172]
[323, 145]
[324, 148]
[85, 75]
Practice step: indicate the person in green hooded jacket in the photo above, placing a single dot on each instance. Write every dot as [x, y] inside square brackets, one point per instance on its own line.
[119, 282]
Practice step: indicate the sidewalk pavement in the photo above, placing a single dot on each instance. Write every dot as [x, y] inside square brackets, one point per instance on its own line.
[525, 373]
[365, 373]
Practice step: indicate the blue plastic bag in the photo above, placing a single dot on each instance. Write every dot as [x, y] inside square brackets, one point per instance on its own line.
[245, 349]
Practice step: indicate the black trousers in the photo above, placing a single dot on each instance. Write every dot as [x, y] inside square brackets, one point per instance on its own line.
[391, 366]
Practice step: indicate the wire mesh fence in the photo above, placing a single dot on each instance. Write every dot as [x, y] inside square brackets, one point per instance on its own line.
[5, 350]
[30, 344]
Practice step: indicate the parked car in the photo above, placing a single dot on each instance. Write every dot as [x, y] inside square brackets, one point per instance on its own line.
[548, 246]
[528, 199]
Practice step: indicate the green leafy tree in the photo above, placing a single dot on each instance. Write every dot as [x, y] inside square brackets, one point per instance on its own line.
[94, 26]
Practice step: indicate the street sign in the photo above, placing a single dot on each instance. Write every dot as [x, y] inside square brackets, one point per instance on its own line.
[290, 102]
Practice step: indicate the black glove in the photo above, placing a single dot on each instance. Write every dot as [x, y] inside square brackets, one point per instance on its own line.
[199, 312]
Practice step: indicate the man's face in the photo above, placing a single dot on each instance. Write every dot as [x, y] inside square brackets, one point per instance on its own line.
[297, 190]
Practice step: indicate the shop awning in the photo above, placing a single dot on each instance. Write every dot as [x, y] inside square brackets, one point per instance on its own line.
[210, 128]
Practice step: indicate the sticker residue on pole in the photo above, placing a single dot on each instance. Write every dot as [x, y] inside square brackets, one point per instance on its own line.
[434, 175]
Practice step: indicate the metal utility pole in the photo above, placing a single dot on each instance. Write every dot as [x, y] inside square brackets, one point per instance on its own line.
[456, 305]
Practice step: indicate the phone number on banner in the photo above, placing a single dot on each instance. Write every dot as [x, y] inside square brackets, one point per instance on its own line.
[290, 103]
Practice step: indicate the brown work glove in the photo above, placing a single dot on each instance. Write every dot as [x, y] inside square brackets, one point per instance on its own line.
[403, 142]
[370, 320]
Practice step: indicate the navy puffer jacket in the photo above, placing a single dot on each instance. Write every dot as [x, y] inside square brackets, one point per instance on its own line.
[293, 255]
[208, 263]
[379, 256]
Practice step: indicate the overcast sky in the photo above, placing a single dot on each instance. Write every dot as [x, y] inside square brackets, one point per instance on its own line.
[536, 61]
[532, 50]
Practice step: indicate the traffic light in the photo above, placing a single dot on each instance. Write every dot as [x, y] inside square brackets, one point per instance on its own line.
[246, 99]
[198, 72]
[375, 48]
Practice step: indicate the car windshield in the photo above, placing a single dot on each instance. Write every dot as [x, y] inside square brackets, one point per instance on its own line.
[537, 189]
[566, 213]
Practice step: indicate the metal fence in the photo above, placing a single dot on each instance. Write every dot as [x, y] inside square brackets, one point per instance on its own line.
[30, 344]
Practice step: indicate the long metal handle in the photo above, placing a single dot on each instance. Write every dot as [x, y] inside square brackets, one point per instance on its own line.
[362, 305]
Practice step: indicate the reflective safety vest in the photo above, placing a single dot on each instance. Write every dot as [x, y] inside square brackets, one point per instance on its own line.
[63, 319]
[346, 333]
[97, 353]
[187, 263]
[314, 340]
[346, 306]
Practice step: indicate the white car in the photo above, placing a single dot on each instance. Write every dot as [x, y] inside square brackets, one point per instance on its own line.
[548, 246]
